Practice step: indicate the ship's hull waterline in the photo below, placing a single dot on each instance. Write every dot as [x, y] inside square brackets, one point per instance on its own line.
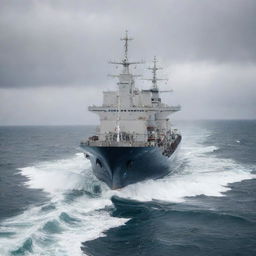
[121, 166]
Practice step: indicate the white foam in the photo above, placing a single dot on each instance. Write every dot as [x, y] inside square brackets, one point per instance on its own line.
[177, 187]
[30, 225]
[203, 174]
[59, 178]
[59, 175]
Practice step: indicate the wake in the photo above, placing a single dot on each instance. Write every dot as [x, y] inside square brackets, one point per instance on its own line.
[78, 206]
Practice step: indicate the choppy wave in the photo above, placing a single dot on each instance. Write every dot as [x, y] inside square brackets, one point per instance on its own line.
[202, 174]
[76, 211]
[69, 218]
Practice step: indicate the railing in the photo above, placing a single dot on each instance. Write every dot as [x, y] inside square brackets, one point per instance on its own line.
[128, 140]
[109, 108]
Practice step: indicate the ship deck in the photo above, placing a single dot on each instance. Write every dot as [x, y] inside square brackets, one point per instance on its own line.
[114, 144]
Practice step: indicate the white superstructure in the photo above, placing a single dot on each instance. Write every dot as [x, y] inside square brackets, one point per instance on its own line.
[130, 116]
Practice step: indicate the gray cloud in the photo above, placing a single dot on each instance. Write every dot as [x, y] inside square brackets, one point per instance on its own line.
[54, 53]
[205, 91]
[61, 43]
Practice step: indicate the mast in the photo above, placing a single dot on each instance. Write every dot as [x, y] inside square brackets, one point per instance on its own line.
[124, 78]
[125, 62]
[126, 39]
[154, 78]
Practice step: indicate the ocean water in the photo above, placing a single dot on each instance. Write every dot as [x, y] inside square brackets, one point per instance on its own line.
[51, 204]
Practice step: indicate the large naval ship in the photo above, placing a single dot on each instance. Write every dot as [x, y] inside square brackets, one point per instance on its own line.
[134, 140]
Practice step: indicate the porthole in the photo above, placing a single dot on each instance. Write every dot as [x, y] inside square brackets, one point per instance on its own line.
[129, 163]
[98, 163]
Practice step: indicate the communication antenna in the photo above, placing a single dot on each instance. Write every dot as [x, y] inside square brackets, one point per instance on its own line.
[125, 62]
[154, 79]
[126, 39]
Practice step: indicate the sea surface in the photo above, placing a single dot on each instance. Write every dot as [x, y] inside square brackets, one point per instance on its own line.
[51, 203]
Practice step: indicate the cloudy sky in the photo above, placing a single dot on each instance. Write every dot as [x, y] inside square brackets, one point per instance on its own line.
[54, 54]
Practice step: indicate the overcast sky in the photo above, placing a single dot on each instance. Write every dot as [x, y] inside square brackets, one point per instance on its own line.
[54, 54]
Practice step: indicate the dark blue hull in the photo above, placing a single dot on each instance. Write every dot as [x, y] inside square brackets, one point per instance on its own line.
[121, 166]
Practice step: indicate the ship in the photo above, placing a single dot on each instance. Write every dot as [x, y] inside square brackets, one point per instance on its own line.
[135, 140]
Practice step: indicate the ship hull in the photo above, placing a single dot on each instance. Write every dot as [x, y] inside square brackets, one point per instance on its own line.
[121, 166]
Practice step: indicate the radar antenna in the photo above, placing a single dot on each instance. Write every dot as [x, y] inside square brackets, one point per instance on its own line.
[125, 63]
